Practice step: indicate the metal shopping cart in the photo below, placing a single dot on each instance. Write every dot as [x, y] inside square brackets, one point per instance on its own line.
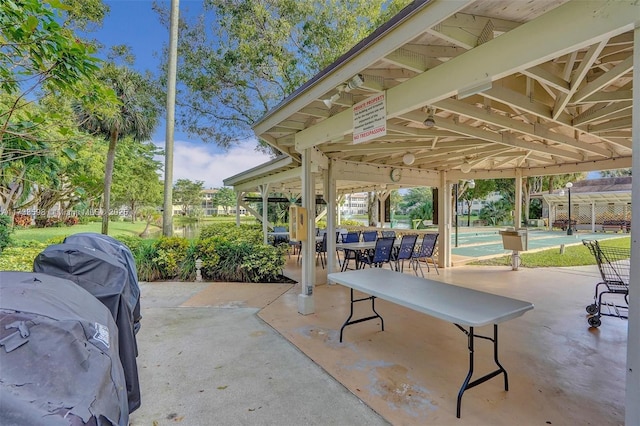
[614, 264]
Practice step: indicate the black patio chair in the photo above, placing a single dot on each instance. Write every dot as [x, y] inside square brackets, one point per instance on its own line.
[381, 254]
[405, 251]
[321, 250]
[426, 251]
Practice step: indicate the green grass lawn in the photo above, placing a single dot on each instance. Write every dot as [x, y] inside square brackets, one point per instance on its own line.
[573, 256]
[45, 234]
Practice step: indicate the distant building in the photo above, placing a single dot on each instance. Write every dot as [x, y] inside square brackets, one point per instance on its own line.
[595, 203]
[354, 204]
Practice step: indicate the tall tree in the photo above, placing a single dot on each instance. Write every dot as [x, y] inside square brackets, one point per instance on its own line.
[136, 179]
[240, 59]
[135, 115]
[188, 194]
[225, 197]
[41, 56]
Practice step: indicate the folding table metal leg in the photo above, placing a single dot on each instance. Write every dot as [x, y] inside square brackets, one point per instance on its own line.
[466, 385]
[373, 308]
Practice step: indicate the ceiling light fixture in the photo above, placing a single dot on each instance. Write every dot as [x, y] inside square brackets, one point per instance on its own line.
[329, 102]
[465, 167]
[430, 121]
[355, 82]
[408, 159]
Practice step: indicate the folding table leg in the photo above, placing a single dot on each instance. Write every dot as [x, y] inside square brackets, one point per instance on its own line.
[466, 385]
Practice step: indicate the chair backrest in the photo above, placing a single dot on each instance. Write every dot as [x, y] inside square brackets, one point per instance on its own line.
[279, 229]
[428, 245]
[369, 236]
[351, 237]
[382, 252]
[407, 246]
[322, 246]
[388, 234]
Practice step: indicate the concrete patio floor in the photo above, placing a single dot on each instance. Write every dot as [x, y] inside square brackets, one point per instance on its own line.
[561, 372]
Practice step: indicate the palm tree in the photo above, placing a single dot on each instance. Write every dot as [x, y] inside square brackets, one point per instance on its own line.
[136, 116]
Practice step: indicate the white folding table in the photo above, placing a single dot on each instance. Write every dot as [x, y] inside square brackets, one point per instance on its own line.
[464, 307]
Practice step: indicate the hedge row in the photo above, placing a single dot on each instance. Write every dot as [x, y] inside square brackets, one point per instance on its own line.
[228, 253]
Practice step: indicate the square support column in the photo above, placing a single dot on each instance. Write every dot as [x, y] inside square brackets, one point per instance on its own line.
[444, 222]
[306, 305]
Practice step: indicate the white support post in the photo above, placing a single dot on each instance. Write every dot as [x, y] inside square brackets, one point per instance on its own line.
[306, 304]
[239, 196]
[632, 408]
[264, 191]
[593, 216]
[517, 215]
[444, 222]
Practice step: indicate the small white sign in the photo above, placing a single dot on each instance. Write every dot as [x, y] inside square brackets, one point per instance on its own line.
[370, 118]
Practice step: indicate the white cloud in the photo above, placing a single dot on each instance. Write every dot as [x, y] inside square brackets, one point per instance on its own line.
[198, 161]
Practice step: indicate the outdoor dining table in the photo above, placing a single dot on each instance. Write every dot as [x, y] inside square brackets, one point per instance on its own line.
[464, 307]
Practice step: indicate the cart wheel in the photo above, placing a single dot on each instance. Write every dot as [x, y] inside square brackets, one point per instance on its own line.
[592, 309]
[594, 321]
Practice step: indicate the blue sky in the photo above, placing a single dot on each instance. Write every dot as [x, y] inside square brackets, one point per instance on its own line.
[134, 23]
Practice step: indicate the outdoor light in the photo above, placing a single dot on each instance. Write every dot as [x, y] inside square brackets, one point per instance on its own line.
[429, 121]
[355, 82]
[329, 102]
[569, 185]
[472, 183]
[465, 167]
[408, 159]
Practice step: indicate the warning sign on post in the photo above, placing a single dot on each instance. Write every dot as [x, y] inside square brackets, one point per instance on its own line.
[370, 118]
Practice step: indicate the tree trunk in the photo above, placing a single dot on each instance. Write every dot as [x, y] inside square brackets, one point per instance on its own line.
[108, 175]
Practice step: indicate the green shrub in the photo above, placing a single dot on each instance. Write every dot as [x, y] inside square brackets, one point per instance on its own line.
[170, 254]
[239, 261]
[264, 263]
[205, 249]
[145, 257]
[130, 241]
[19, 258]
[229, 231]
[5, 231]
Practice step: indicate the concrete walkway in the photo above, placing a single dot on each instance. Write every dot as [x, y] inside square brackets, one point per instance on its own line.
[206, 358]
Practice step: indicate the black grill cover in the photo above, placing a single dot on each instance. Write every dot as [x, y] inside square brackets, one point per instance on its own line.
[59, 355]
[121, 252]
[108, 280]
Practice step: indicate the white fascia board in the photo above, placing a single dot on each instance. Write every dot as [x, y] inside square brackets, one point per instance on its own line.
[286, 175]
[571, 26]
[258, 171]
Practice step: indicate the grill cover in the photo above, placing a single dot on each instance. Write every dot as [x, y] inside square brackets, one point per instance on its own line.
[108, 280]
[121, 252]
[59, 355]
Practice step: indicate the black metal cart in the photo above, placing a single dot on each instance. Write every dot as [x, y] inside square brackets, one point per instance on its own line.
[614, 264]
